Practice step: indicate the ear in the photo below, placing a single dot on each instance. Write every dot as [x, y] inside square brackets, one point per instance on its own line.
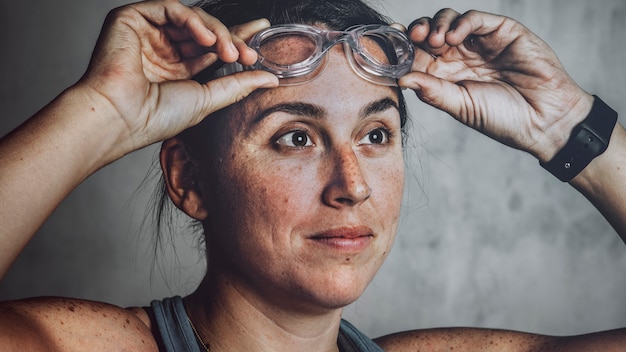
[181, 178]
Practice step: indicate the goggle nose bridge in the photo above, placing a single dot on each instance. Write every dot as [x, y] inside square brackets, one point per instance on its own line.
[331, 38]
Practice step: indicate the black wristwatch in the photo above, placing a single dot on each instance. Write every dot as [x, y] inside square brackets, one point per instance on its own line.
[589, 139]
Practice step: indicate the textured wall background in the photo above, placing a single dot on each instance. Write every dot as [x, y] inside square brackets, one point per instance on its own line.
[488, 238]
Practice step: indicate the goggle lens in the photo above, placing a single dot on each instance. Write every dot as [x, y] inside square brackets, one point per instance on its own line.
[286, 49]
[296, 53]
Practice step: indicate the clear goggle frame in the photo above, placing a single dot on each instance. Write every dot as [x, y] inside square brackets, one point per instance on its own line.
[296, 53]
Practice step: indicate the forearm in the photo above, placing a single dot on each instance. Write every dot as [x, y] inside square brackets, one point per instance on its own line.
[607, 341]
[45, 159]
[603, 181]
[476, 339]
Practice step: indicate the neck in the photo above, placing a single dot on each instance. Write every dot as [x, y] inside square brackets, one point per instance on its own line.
[229, 317]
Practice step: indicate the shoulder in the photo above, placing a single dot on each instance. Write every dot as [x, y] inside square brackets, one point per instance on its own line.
[474, 339]
[62, 324]
[462, 339]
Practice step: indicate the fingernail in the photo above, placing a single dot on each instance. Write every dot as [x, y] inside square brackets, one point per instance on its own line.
[415, 23]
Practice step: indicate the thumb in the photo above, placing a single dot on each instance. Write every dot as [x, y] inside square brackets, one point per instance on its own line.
[227, 90]
[441, 94]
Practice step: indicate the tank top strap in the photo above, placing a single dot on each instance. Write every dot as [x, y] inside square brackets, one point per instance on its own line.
[173, 326]
[177, 334]
[352, 340]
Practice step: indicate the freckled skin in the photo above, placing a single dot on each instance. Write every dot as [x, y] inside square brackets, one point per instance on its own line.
[265, 201]
[61, 324]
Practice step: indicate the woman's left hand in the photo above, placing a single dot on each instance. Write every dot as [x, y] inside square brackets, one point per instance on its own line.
[493, 74]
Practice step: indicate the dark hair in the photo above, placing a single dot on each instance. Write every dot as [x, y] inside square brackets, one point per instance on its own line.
[333, 14]
[336, 14]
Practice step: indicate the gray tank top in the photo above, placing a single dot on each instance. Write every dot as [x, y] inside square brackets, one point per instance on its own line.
[176, 334]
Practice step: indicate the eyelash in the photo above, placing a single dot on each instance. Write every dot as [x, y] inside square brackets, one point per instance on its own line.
[283, 140]
[388, 135]
[283, 137]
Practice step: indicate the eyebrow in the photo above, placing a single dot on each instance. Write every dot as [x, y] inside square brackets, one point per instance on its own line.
[317, 112]
[379, 106]
[297, 108]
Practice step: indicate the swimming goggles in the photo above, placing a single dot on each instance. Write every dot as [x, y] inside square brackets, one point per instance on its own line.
[296, 53]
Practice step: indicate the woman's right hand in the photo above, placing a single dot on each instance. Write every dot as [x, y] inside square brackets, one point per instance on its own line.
[147, 52]
[136, 91]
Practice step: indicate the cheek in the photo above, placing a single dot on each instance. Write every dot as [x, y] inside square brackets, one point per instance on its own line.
[386, 177]
[266, 197]
[291, 194]
[387, 183]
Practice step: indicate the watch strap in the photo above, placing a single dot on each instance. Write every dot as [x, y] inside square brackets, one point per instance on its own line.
[588, 139]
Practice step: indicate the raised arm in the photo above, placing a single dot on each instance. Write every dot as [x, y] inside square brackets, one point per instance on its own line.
[136, 91]
[494, 75]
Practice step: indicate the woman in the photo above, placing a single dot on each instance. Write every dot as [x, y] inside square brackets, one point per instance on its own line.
[298, 195]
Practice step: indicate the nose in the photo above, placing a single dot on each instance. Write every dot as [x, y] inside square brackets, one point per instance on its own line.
[346, 185]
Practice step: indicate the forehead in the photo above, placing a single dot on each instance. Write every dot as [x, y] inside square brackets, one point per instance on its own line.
[337, 90]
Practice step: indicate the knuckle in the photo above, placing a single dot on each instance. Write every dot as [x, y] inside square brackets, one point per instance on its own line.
[124, 15]
[447, 12]
[117, 13]
[472, 13]
[198, 10]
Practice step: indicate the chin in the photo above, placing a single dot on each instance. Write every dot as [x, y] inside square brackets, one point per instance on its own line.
[336, 291]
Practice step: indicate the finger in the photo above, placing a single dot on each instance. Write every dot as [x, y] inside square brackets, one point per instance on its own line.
[417, 32]
[242, 34]
[176, 19]
[230, 89]
[190, 49]
[247, 30]
[474, 23]
[173, 14]
[197, 64]
[224, 46]
[177, 34]
[439, 26]
[247, 56]
[419, 29]
[422, 60]
[436, 92]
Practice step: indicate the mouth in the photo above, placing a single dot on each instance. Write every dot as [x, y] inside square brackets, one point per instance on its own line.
[345, 239]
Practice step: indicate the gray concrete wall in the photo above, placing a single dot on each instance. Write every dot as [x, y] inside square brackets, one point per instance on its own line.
[488, 238]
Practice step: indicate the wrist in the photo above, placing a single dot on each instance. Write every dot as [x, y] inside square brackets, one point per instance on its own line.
[587, 140]
[601, 169]
[555, 137]
[91, 124]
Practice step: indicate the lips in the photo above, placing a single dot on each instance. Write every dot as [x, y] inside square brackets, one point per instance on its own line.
[345, 239]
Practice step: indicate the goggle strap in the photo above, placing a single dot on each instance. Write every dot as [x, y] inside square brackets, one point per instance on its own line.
[228, 69]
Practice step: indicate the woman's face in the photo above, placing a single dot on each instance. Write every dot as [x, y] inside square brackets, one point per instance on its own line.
[305, 193]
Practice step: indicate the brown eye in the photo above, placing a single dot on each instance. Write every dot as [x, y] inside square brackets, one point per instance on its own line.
[376, 136]
[296, 139]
